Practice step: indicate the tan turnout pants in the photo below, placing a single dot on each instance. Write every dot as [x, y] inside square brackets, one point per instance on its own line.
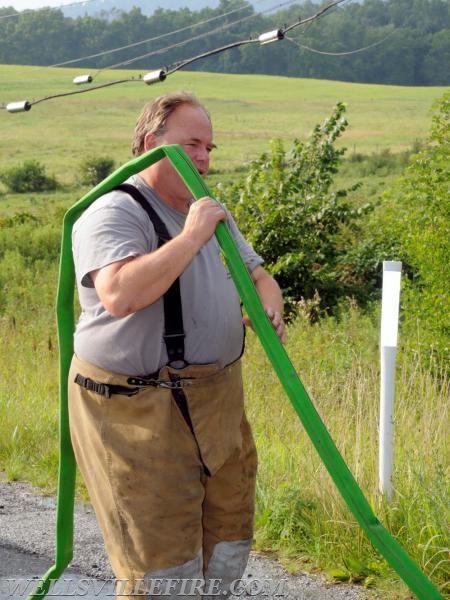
[160, 513]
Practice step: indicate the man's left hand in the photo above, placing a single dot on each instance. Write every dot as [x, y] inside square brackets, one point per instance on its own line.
[277, 323]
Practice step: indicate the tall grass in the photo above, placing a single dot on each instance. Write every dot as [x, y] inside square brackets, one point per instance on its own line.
[300, 515]
[29, 387]
[299, 512]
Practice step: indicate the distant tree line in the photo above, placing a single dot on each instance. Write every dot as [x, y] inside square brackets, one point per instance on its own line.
[403, 42]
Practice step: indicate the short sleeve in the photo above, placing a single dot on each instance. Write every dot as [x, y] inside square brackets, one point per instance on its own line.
[112, 229]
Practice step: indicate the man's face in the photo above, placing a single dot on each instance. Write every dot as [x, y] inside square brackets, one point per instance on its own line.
[190, 127]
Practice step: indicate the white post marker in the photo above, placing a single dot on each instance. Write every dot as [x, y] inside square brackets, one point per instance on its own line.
[390, 301]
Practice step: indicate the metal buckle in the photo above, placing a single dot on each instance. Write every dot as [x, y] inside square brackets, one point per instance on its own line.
[160, 383]
[171, 385]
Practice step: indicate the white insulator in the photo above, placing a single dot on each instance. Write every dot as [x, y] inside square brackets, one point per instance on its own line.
[82, 79]
[271, 36]
[154, 77]
[21, 106]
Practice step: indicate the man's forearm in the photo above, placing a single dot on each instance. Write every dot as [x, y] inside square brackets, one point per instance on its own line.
[129, 286]
[268, 290]
[271, 298]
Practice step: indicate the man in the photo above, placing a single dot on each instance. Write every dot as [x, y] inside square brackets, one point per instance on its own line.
[157, 416]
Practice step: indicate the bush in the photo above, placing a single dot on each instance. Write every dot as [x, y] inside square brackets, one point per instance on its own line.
[29, 177]
[414, 216]
[95, 169]
[287, 209]
[382, 163]
[425, 238]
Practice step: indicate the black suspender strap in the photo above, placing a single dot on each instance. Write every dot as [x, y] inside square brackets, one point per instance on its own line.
[173, 325]
[173, 314]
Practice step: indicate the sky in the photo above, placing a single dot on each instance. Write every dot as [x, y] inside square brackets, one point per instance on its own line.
[27, 4]
[20, 5]
[35, 4]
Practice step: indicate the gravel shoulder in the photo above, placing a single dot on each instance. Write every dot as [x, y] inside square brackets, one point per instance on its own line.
[27, 526]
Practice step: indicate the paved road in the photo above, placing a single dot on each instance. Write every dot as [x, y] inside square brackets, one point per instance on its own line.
[27, 524]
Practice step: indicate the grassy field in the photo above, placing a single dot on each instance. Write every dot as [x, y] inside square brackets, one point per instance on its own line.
[300, 515]
[247, 112]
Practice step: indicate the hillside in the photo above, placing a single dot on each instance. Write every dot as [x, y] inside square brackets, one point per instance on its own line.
[264, 107]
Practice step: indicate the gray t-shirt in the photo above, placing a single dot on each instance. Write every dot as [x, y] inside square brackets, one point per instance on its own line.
[116, 227]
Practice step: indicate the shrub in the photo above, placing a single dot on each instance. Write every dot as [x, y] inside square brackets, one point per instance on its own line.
[416, 214]
[286, 208]
[29, 177]
[425, 236]
[95, 169]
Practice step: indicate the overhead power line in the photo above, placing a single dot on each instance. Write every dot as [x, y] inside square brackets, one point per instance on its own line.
[148, 40]
[196, 37]
[347, 53]
[169, 34]
[161, 74]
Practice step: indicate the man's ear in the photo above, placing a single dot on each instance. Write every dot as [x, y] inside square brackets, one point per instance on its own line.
[149, 141]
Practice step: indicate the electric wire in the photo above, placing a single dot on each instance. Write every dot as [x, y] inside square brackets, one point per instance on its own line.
[218, 29]
[148, 40]
[160, 75]
[129, 61]
[314, 17]
[188, 61]
[155, 38]
[347, 53]
[167, 34]
[89, 89]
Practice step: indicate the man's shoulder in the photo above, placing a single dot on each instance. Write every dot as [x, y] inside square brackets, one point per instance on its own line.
[114, 202]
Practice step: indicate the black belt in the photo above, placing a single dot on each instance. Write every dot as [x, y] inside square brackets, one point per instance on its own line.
[108, 389]
[104, 389]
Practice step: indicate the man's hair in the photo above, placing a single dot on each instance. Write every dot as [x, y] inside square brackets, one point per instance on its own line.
[154, 115]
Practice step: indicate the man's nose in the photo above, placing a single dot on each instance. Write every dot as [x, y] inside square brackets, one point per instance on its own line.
[201, 158]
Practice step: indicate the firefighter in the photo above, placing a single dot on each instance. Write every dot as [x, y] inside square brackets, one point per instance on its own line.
[156, 400]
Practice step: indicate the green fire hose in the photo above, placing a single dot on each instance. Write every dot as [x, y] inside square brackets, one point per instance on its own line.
[388, 547]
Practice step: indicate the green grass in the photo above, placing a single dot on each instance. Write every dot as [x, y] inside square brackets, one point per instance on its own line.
[29, 391]
[247, 112]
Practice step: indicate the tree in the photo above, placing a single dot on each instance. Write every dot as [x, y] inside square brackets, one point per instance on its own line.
[43, 37]
[414, 36]
[28, 177]
[436, 64]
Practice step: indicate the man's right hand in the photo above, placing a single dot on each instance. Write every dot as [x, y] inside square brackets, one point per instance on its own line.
[202, 220]
[131, 284]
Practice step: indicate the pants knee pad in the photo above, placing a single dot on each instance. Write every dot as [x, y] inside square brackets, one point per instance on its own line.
[227, 564]
[182, 581]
